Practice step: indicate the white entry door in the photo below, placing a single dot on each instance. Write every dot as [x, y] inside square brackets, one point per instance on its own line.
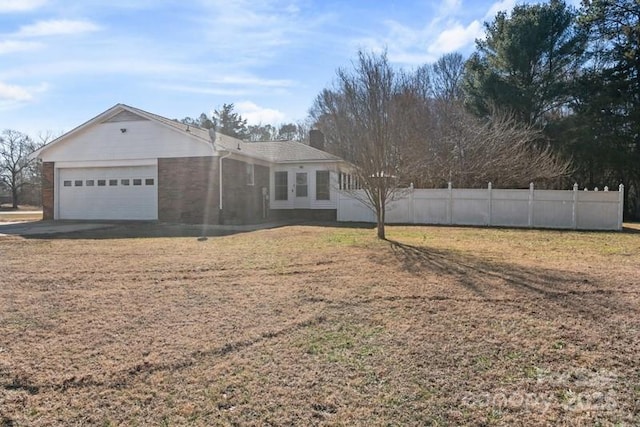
[301, 190]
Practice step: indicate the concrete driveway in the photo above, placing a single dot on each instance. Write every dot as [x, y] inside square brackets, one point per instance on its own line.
[43, 228]
[122, 229]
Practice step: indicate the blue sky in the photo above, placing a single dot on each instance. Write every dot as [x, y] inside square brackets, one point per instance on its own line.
[63, 62]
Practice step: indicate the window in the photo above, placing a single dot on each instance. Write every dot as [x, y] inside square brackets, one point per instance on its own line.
[137, 181]
[67, 183]
[249, 174]
[78, 183]
[90, 183]
[148, 181]
[281, 185]
[102, 183]
[322, 185]
[301, 184]
[124, 182]
[113, 182]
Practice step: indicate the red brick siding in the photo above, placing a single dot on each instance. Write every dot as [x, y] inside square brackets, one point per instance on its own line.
[47, 190]
[242, 203]
[324, 215]
[183, 189]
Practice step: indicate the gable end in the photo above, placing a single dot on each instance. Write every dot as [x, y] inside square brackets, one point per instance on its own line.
[125, 116]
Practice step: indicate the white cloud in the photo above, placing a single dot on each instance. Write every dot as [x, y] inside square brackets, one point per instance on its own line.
[499, 6]
[444, 33]
[411, 46]
[448, 7]
[456, 37]
[20, 5]
[19, 93]
[14, 93]
[56, 27]
[252, 81]
[257, 115]
[202, 90]
[252, 32]
[10, 46]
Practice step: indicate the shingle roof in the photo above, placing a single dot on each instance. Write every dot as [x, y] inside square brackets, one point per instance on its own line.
[275, 151]
[272, 151]
[193, 130]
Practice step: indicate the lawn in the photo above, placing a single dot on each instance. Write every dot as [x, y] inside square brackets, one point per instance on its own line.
[311, 325]
[23, 213]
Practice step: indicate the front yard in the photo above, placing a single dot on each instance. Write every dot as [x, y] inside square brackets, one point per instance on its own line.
[310, 325]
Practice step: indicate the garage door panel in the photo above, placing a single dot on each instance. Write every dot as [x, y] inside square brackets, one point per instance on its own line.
[121, 193]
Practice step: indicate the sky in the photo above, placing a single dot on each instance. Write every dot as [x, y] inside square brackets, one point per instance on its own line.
[63, 62]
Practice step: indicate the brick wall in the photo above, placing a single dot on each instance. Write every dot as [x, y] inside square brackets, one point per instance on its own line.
[183, 187]
[47, 190]
[242, 203]
[302, 215]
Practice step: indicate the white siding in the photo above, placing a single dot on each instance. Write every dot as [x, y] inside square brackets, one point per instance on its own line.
[304, 203]
[142, 139]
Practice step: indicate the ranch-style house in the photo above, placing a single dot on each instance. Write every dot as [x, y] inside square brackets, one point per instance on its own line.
[129, 164]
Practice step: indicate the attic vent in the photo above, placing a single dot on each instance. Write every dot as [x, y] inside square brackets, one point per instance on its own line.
[124, 116]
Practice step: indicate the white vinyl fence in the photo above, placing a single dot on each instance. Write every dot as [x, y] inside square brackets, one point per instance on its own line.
[569, 209]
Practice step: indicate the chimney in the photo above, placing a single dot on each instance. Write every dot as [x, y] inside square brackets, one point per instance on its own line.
[316, 139]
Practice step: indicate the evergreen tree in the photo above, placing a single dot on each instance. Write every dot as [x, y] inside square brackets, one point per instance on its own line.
[527, 63]
[230, 123]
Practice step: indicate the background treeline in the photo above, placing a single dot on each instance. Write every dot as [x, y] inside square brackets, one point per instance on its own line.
[551, 95]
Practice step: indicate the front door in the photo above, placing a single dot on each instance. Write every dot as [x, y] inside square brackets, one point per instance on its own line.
[302, 190]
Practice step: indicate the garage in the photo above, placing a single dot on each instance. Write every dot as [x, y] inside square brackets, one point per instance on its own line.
[116, 193]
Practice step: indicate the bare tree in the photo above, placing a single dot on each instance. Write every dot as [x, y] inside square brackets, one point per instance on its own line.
[15, 148]
[398, 128]
[470, 151]
[362, 116]
[260, 132]
[447, 74]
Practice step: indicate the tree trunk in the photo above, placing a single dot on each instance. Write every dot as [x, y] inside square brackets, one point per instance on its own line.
[380, 217]
[381, 234]
[14, 196]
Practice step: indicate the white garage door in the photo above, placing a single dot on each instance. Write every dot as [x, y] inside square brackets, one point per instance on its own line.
[108, 193]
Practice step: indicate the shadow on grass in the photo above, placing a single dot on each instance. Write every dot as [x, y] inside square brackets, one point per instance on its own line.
[125, 376]
[578, 292]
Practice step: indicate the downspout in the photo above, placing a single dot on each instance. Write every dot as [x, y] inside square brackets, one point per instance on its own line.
[220, 218]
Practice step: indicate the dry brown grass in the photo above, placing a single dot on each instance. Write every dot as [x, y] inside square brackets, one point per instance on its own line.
[320, 325]
[23, 213]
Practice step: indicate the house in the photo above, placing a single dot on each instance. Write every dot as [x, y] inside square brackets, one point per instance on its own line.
[129, 164]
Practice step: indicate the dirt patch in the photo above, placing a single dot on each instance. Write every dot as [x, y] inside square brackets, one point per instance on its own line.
[321, 325]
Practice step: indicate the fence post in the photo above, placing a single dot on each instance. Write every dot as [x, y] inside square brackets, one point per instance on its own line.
[489, 202]
[450, 204]
[574, 210]
[338, 201]
[412, 206]
[620, 206]
[530, 218]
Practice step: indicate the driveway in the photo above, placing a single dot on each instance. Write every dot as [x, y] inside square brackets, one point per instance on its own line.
[44, 228]
[122, 229]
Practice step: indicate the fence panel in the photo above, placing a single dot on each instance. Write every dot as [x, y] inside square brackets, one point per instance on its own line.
[598, 210]
[431, 206]
[553, 209]
[469, 207]
[567, 209]
[510, 208]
